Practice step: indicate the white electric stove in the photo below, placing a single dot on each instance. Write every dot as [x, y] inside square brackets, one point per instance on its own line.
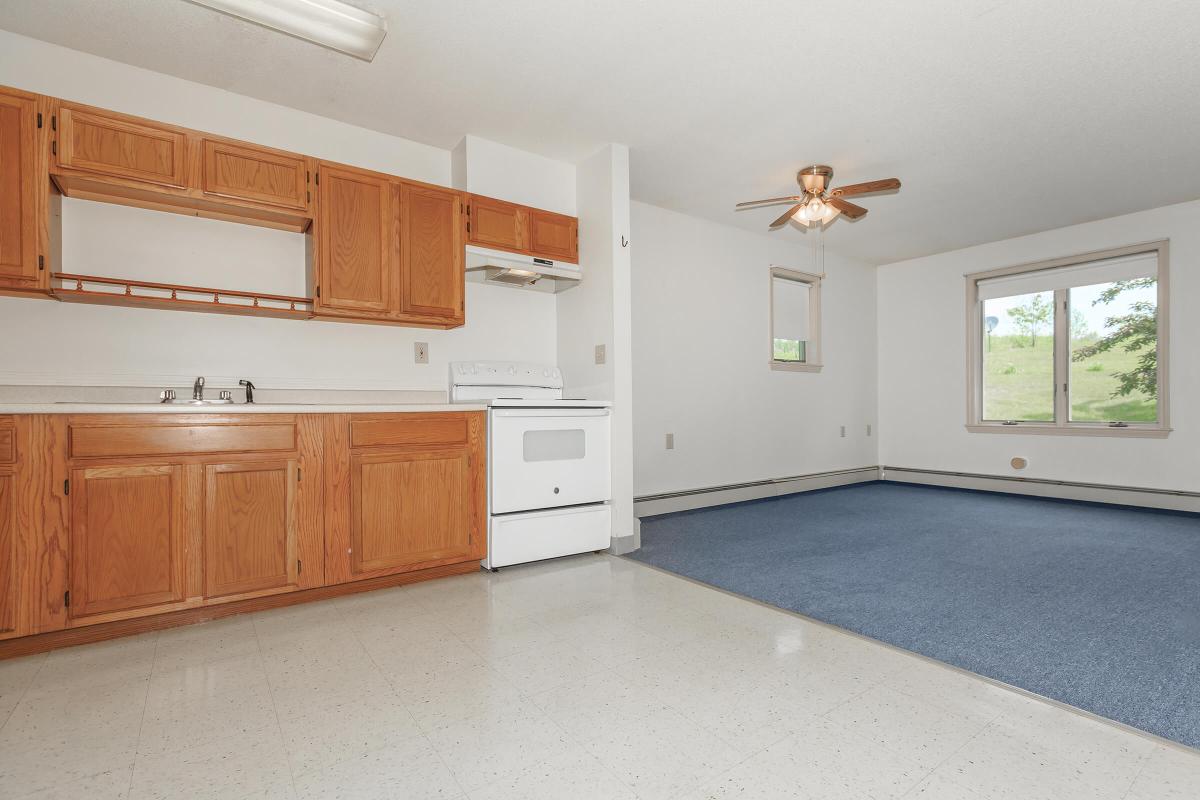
[549, 486]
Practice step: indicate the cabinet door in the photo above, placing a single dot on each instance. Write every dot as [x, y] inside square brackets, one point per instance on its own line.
[431, 252]
[356, 241]
[9, 571]
[121, 147]
[495, 223]
[255, 174]
[18, 190]
[554, 236]
[409, 507]
[127, 538]
[250, 540]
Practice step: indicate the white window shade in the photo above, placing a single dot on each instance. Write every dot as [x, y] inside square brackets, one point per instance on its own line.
[1108, 270]
[790, 309]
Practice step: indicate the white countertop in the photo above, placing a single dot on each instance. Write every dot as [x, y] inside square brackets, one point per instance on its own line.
[234, 408]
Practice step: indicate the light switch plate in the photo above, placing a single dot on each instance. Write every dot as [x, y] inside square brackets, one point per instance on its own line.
[600, 354]
[670, 441]
[421, 352]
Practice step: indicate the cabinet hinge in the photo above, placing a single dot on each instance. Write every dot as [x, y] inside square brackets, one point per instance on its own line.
[67, 487]
[54, 148]
[318, 291]
[41, 263]
[67, 599]
[308, 197]
[468, 226]
[53, 122]
[317, 177]
[299, 566]
[307, 176]
[299, 472]
[39, 118]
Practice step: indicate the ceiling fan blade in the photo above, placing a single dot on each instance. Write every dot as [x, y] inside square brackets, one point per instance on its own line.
[849, 209]
[786, 216]
[870, 187]
[772, 201]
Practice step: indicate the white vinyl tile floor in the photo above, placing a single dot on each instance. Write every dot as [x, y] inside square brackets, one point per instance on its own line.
[587, 677]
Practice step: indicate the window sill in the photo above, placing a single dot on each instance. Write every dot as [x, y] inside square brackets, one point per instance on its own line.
[1133, 431]
[788, 366]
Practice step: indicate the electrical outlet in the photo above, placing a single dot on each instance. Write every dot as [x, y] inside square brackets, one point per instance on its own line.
[670, 441]
[600, 355]
[421, 353]
[843, 431]
[868, 429]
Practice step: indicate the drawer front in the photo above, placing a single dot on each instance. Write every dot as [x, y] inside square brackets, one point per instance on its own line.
[261, 176]
[121, 148]
[409, 429]
[154, 440]
[8, 446]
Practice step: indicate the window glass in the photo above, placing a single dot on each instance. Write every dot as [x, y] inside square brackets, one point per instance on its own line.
[1018, 358]
[790, 319]
[1114, 351]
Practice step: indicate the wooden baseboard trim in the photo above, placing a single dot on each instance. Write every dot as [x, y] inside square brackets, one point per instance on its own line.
[52, 640]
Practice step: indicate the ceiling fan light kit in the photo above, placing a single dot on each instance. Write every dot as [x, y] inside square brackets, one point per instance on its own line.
[819, 205]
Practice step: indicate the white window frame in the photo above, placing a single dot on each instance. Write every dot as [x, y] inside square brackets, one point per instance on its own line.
[812, 348]
[1062, 356]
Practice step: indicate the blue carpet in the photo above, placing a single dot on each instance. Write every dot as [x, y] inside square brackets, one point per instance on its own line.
[1097, 606]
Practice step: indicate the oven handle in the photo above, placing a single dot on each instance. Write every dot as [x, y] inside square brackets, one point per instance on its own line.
[528, 413]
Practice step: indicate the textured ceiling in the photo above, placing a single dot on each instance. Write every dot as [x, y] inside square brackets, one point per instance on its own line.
[1001, 118]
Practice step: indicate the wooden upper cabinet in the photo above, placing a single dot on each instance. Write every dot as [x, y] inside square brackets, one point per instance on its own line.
[121, 147]
[127, 547]
[508, 226]
[496, 223]
[356, 241]
[20, 184]
[431, 252]
[250, 536]
[553, 236]
[409, 507]
[255, 174]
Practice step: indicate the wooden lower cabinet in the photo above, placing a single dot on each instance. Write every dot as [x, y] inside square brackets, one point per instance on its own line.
[128, 546]
[250, 537]
[9, 556]
[107, 520]
[403, 492]
[409, 507]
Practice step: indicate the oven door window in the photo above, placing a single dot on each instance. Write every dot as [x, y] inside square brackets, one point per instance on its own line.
[551, 445]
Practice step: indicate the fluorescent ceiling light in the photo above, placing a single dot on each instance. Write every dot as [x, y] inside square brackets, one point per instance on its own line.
[329, 23]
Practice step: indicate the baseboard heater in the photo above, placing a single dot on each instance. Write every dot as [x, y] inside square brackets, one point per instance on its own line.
[667, 502]
[1174, 499]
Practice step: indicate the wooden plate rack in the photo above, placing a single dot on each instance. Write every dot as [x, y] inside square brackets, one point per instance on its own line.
[72, 288]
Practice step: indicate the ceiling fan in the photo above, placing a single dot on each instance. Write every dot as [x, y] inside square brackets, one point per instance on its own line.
[819, 204]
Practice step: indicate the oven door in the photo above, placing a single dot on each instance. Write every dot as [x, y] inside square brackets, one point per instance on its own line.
[549, 457]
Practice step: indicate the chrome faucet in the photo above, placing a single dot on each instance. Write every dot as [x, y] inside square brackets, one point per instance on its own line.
[198, 389]
[249, 390]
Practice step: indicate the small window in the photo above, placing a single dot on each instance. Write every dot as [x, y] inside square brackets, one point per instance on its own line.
[795, 320]
[1075, 345]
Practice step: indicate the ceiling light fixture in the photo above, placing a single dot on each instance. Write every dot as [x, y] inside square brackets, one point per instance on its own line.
[329, 23]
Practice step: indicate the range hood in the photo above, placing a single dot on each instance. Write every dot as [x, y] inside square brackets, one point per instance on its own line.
[515, 269]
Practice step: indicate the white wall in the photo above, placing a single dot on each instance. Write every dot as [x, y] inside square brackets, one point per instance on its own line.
[700, 359]
[922, 356]
[95, 345]
[597, 312]
[496, 170]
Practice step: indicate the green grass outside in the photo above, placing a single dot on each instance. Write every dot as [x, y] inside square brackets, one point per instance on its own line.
[1019, 383]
